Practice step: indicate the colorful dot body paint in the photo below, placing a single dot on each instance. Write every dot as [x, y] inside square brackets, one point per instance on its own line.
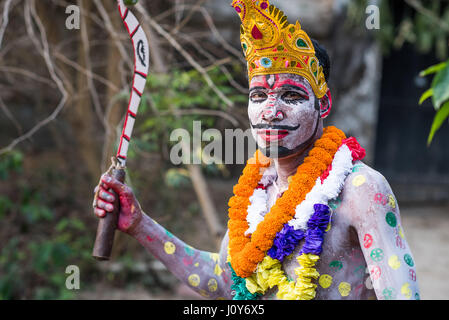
[394, 262]
[325, 281]
[189, 251]
[367, 240]
[336, 264]
[212, 285]
[358, 180]
[375, 272]
[169, 247]
[391, 219]
[218, 270]
[406, 291]
[391, 201]
[408, 260]
[344, 288]
[194, 280]
[389, 293]
[377, 254]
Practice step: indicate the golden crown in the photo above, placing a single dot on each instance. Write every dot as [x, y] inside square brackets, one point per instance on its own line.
[272, 45]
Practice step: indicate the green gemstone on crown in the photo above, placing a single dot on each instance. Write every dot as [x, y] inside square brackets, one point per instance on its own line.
[301, 43]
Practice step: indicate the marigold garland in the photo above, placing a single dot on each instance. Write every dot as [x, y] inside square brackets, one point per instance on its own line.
[248, 251]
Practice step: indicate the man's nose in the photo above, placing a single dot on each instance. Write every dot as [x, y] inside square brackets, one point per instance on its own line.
[271, 112]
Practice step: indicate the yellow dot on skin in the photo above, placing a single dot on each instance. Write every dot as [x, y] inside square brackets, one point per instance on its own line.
[197, 264]
[406, 291]
[325, 281]
[212, 285]
[391, 201]
[401, 233]
[194, 280]
[169, 247]
[358, 180]
[394, 262]
[215, 257]
[218, 270]
[344, 288]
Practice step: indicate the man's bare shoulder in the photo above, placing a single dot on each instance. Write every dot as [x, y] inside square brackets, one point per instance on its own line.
[362, 188]
[363, 177]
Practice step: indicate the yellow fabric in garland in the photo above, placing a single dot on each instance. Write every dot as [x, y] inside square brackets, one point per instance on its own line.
[269, 274]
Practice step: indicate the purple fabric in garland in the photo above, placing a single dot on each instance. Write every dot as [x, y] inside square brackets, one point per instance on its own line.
[288, 238]
[285, 242]
[317, 225]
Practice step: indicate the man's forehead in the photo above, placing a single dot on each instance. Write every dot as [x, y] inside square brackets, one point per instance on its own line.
[273, 81]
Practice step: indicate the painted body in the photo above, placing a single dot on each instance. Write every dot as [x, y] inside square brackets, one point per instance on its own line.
[365, 253]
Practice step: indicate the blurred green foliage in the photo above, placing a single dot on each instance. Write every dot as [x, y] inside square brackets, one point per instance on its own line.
[439, 92]
[36, 246]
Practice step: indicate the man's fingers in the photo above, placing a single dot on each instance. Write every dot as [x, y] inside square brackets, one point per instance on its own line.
[100, 213]
[105, 205]
[114, 184]
[106, 196]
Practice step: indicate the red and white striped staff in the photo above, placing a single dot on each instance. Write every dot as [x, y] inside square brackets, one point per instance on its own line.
[141, 62]
[106, 226]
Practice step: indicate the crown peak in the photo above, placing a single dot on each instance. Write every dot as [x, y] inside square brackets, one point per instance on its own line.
[272, 45]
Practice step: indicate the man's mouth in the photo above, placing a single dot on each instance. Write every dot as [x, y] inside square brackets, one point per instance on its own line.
[270, 135]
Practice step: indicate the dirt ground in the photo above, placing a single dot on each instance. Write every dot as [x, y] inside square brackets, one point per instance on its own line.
[427, 232]
[426, 229]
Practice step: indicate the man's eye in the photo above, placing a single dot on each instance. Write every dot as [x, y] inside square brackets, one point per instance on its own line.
[258, 96]
[292, 96]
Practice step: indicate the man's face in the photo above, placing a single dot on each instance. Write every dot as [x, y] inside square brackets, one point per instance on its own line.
[284, 113]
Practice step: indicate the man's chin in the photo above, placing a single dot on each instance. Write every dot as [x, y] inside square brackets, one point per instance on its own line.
[277, 152]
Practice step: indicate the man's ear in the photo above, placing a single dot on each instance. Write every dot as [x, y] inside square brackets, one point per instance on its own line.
[326, 105]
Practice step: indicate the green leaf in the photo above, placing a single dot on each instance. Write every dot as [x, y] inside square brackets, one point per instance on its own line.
[426, 95]
[433, 69]
[438, 121]
[440, 87]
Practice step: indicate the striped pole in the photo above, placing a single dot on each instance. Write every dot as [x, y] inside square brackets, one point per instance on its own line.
[107, 225]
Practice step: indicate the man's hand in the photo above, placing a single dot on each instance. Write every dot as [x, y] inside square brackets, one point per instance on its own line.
[130, 212]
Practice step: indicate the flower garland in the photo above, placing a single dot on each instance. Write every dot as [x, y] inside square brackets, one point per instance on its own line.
[316, 218]
[247, 252]
[270, 274]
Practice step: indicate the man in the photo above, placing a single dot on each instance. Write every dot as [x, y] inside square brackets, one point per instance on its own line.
[308, 219]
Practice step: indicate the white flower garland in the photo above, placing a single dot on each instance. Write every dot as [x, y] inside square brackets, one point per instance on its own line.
[321, 193]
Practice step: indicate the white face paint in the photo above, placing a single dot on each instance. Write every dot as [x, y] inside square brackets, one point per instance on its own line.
[282, 111]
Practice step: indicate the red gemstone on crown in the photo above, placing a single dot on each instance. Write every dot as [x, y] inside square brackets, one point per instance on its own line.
[238, 9]
[256, 33]
[264, 5]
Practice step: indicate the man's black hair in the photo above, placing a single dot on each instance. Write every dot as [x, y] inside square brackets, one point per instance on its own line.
[323, 58]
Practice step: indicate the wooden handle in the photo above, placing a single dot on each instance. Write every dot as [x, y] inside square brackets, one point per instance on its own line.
[107, 225]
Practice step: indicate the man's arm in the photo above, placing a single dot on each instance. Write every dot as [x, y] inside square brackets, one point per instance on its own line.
[206, 273]
[374, 213]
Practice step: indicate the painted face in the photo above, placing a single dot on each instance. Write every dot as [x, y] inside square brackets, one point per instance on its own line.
[284, 113]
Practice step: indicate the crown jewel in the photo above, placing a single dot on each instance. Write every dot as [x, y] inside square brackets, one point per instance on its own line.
[272, 45]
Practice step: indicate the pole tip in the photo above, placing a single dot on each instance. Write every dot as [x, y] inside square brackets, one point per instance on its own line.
[131, 2]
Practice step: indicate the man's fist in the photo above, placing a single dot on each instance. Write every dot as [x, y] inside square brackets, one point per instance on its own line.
[130, 212]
